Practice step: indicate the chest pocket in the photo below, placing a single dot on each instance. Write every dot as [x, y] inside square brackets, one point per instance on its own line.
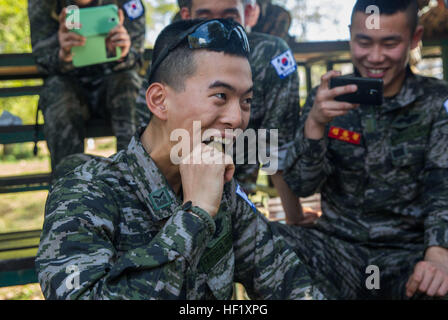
[407, 152]
[408, 144]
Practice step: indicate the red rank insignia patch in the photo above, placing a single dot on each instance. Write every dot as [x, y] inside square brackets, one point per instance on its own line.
[344, 135]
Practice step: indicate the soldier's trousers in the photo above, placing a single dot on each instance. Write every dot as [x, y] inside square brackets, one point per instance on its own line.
[339, 268]
[68, 103]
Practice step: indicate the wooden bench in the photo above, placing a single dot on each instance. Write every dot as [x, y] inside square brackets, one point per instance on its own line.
[17, 254]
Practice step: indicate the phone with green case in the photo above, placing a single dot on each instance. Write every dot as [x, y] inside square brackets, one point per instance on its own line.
[95, 24]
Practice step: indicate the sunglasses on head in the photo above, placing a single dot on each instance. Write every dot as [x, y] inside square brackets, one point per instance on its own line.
[214, 34]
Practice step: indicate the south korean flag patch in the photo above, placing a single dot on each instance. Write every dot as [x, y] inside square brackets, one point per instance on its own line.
[243, 195]
[134, 9]
[284, 64]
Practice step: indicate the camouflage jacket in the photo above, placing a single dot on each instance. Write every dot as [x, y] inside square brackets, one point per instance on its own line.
[116, 223]
[382, 171]
[275, 104]
[44, 23]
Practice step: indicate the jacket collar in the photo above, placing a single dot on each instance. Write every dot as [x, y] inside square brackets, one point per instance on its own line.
[150, 185]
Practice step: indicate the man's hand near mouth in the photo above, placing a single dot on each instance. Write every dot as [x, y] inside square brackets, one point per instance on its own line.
[203, 181]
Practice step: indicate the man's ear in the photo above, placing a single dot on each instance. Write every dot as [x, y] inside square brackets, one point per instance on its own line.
[156, 100]
[185, 13]
[417, 37]
[251, 14]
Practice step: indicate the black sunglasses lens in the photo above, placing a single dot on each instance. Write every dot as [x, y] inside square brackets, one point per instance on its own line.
[216, 34]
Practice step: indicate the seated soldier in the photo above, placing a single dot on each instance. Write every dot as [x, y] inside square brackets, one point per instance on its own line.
[275, 104]
[382, 170]
[138, 225]
[70, 96]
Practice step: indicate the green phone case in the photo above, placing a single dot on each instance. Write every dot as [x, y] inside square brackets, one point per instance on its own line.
[96, 22]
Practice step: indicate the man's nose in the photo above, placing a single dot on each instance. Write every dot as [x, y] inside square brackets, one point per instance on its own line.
[376, 55]
[232, 116]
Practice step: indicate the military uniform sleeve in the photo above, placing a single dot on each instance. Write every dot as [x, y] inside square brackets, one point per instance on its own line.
[44, 37]
[435, 192]
[264, 263]
[136, 29]
[307, 165]
[78, 235]
[281, 96]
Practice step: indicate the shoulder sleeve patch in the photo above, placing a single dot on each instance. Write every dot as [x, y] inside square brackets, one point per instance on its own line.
[134, 9]
[446, 105]
[243, 195]
[284, 64]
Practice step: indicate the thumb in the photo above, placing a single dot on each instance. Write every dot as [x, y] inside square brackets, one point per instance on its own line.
[121, 16]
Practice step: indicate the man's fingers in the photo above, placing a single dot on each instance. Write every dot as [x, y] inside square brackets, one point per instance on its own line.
[74, 37]
[435, 284]
[121, 16]
[428, 276]
[230, 169]
[325, 80]
[119, 37]
[414, 281]
[339, 91]
[411, 286]
[62, 17]
[443, 290]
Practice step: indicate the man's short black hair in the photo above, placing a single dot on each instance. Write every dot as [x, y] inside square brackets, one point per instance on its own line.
[189, 3]
[185, 3]
[180, 63]
[390, 7]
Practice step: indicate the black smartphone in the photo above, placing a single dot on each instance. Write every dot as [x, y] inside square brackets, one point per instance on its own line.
[370, 91]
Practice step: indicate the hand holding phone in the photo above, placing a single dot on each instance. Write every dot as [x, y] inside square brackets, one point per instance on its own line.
[325, 107]
[370, 91]
[67, 39]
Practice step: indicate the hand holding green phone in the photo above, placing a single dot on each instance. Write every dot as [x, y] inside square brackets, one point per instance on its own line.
[94, 26]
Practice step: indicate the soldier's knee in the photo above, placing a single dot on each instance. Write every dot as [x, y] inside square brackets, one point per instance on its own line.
[127, 79]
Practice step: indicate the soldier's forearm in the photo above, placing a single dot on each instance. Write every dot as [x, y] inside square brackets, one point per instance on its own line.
[291, 203]
[438, 254]
[314, 130]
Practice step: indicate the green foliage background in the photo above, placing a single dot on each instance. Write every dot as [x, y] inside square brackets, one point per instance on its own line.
[15, 38]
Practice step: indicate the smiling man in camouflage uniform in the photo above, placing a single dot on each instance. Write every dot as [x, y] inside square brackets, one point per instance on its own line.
[382, 170]
[70, 96]
[275, 104]
[139, 226]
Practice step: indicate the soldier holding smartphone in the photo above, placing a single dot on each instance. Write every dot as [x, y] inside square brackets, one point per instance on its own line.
[71, 96]
[382, 170]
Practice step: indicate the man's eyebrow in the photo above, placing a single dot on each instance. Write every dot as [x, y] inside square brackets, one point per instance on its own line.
[202, 11]
[362, 36]
[392, 38]
[220, 84]
[231, 10]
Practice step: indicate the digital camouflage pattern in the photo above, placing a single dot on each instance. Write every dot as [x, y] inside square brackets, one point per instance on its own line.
[70, 96]
[275, 103]
[385, 200]
[119, 224]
